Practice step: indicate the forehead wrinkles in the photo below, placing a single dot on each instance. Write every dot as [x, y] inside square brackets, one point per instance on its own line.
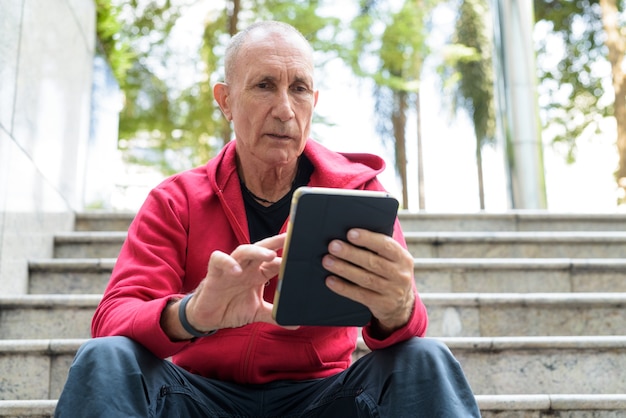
[278, 68]
[276, 53]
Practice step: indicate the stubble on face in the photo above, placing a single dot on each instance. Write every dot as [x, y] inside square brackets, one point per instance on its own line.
[273, 97]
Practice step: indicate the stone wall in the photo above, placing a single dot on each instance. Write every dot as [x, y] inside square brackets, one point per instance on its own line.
[46, 66]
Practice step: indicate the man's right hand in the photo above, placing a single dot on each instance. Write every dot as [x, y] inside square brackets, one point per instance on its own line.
[231, 294]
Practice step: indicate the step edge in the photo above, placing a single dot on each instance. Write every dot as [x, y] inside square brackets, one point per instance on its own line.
[543, 402]
[76, 264]
[516, 236]
[552, 402]
[573, 264]
[563, 300]
[493, 344]
[41, 346]
[10, 408]
[42, 301]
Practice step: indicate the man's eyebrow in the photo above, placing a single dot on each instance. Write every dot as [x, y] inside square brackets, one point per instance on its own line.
[305, 80]
[262, 78]
[271, 78]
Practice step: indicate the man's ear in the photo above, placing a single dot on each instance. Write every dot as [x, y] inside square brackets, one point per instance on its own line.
[220, 92]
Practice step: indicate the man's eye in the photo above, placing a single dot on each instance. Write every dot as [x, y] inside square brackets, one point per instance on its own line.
[263, 85]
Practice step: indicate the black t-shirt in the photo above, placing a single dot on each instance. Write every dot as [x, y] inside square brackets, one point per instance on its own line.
[266, 221]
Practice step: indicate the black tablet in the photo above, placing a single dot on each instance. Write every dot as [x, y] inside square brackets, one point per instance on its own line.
[319, 215]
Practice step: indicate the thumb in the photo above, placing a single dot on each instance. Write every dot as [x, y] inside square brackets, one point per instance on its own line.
[221, 263]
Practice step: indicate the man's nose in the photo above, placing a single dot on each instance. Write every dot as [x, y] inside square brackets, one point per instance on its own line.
[283, 109]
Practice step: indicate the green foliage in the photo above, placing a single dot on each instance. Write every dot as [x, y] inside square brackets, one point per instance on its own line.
[134, 36]
[320, 31]
[388, 47]
[573, 89]
[170, 121]
[108, 27]
[403, 48]
[469, 69]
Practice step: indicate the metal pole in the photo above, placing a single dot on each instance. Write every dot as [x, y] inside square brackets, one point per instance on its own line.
[516, 98]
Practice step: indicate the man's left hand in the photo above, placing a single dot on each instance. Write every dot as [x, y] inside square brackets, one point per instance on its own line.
[375, 270]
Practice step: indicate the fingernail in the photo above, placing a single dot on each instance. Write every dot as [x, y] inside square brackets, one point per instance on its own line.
[353, 234]
[334, 247]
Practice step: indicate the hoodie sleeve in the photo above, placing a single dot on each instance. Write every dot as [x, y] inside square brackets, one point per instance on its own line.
[418, 321]
[148, 273]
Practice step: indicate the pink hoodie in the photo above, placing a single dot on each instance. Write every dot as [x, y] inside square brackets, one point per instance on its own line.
[165, 255]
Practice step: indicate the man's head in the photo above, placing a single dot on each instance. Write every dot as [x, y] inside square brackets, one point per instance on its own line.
[237, 41]
[269, 92]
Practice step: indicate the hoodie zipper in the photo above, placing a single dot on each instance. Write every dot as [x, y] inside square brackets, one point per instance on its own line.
[242, 236]
[246, 361]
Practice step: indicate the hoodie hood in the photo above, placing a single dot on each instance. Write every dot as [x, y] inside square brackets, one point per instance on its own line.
[331, 169]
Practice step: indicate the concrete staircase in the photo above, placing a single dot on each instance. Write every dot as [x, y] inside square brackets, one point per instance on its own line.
[532, 305]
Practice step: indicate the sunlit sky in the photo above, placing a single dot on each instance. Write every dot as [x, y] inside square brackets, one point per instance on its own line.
[448, 144]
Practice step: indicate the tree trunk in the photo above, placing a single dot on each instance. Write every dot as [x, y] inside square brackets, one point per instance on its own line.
[479, 167]
[399, 127]
[420, 156]
[233, 19]
[233, 23]
[617, 49]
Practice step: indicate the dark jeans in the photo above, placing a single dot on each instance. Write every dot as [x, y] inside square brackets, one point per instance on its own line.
[116, 377]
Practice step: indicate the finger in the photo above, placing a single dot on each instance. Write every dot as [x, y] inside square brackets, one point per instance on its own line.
[259, 263]
[271, 268]
[252, 253]
[222, 263]
[355, 274]
[392, 308]
[381, 244]
[359, 257]
[273, 243]
[350, 290]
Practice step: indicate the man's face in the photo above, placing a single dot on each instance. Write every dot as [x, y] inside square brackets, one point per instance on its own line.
[270, 98]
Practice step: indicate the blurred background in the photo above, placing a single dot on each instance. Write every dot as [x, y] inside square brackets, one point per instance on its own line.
[516, 101]
[476, 105]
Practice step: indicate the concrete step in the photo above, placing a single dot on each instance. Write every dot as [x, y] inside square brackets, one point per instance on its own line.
[539, 365]
[37, 369]
[505, 275]
[421, 244]
[419, 221]
[532, 314]
[512, 221]
[88, 244]
[79, 276]
[451, 315]
[495, 286]
[103, 221]
[553, 406]
[69, 276]
[517, 244]
[491, 406]
[39, 408]
[46, 316]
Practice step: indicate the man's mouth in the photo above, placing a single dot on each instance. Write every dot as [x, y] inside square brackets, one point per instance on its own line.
[279, 136]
